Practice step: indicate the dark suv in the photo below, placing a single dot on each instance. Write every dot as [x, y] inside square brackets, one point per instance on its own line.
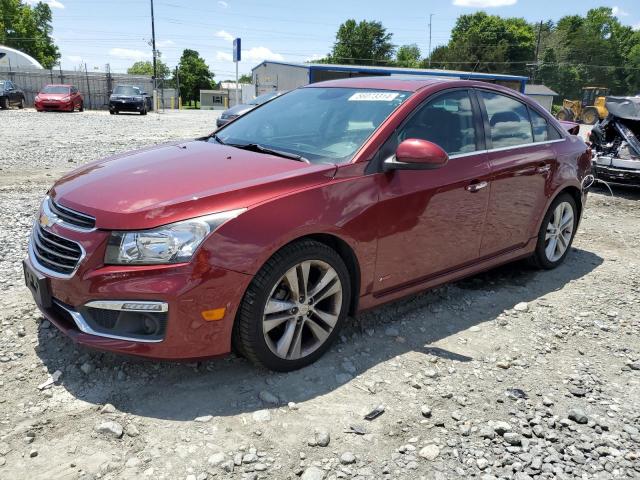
[127, 98]
[10, 95]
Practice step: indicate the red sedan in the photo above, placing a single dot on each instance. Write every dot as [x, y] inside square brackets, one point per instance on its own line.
[331, 199]
[64, 98]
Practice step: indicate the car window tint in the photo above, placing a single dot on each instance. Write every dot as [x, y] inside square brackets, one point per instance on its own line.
[540, 127]
[508, 120]
[446, 121]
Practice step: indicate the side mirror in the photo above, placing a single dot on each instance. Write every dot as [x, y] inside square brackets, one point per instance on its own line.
[416, 154]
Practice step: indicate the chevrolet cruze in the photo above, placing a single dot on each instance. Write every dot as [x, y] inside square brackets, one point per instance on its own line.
[326, 201]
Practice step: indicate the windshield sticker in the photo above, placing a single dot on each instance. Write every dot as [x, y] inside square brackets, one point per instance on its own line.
[373, 96]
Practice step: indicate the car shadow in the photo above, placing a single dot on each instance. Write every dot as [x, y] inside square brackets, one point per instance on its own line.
[628, 192]
[231, 385]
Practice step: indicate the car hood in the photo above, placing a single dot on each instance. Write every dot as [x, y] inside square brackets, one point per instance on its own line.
[239, 109]
[173, 182]
[53, 96]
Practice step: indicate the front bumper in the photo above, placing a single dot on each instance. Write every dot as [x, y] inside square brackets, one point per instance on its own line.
[49, 105]
[617, 171]
[125, 106]
[186, 289]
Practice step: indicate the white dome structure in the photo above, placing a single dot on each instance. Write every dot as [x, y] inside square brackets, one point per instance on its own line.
[15, 59]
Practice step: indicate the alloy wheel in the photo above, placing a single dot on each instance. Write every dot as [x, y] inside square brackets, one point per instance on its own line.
[302, 309]
[559, 232]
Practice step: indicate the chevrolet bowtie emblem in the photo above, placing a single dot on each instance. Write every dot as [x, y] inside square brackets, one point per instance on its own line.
[45, 221]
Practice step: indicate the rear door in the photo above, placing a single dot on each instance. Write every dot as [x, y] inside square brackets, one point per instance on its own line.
[431, 221]
[522, 158]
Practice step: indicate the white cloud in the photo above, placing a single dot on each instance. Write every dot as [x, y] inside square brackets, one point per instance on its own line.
[74, 58]
[619, 12]
[484, 3]
[223, 4]
[225, 35]
[165, 43]
[129, 54]
[224, 56]
[636, 26]
[51, 3]
[261, 53]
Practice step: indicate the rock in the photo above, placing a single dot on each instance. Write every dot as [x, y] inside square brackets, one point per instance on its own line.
[322, 437]
[249, 458]
[203, 419]
[521, 307]
[482, 463]
[293, 406]
[261, 415]
[111, 429]
[216, 459]
[512, 438]
[578, 415]
[108, 408]
[312, 473]
[430, 452]
[347, 458]
[33, 453]
[501, 427]
[475, 328]
[132, 430]
[259, 467]
[86, 368]
[268, 397]
[425, 411]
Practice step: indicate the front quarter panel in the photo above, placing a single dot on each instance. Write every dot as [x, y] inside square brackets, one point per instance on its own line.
[344, 208]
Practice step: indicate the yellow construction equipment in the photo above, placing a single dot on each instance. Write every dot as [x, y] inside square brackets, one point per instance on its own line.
[588, 110]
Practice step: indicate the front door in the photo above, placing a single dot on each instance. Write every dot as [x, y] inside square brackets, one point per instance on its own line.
[431, 221]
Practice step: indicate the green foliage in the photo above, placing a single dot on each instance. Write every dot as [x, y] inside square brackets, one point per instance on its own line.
[28, 29]
[245, 78]
[408, 56]
[364, 43]
[145, 67]
[194, 75]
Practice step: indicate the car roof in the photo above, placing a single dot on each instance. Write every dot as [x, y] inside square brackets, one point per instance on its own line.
[58, 85]
[409, 83]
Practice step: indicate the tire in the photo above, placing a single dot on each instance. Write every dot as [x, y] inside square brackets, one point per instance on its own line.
[144, 111]
[545, 256]
[81, 109]
[590, 116]
[565, 114]
[293, 318]
[4, 103]
[21, 104]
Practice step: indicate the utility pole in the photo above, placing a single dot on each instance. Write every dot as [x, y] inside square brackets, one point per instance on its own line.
[430, 17]
[535, 66]
[155, 68]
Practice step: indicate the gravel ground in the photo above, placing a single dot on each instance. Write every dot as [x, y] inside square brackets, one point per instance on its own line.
[511, 374]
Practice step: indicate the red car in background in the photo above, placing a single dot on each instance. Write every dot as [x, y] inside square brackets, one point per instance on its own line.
[328, 200]
[64, 98]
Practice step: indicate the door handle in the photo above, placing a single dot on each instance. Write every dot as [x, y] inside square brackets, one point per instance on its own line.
[475, 187]
[544, 168]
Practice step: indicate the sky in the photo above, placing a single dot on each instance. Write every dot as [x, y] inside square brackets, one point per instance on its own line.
[118, 32]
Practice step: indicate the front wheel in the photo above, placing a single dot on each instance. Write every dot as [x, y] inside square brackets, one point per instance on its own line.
[81, 109]
[4, 103]
[294, 307]
[21, 104]
[556, 232]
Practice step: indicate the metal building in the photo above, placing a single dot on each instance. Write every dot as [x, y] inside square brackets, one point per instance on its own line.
[15, 59]
[274, 76]
[541, 94]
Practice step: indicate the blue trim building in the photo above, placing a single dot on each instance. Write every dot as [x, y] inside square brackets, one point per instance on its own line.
[271, 75]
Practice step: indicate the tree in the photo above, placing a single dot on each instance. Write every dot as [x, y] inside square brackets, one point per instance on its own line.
[245, 78]
[29, 29]
[194, 75]
[145, 67]
[408, 56]
[364, 43]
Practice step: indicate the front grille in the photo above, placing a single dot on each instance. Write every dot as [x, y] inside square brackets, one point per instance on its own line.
[71, 216]
[54, 252]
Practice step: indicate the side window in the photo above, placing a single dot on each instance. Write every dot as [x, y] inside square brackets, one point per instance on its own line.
[8, 85]
[542, 131]
[446, 121]
[508, 120]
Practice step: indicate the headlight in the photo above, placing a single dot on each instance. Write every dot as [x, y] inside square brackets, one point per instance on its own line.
[173, 243]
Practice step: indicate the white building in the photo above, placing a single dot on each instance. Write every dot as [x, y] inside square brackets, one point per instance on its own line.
[12, 59]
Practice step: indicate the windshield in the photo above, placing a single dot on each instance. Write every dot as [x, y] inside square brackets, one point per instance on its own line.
[126, 90]
[323, 125]
[55, 89]
[259, 100]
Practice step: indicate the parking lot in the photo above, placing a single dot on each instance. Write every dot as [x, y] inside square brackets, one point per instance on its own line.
[514, 373]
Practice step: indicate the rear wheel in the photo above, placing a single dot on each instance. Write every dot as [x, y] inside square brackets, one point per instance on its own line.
[556, 233]
[81, 109]
[294, 307]
[143, 111]
[4, 103]
[590, 116]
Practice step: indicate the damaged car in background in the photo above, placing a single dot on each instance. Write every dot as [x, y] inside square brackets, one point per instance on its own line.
[615, 141]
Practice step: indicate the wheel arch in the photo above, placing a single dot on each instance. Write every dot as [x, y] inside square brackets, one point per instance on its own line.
[575, 193]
